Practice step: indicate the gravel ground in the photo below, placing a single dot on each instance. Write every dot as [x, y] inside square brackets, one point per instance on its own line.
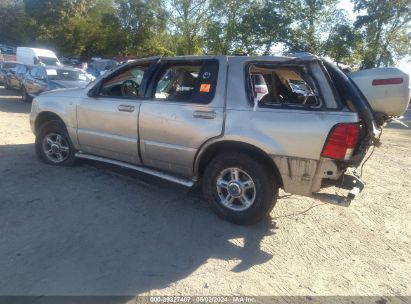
[95, 229]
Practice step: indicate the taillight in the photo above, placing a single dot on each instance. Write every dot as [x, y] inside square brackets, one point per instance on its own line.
[377, 82]
[341, 141]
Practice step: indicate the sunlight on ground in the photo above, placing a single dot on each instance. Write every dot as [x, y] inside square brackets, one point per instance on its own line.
[10, 97]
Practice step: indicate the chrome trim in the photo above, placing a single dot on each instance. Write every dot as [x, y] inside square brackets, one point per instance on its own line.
[167, 176]
[205, 114]
[126, 108]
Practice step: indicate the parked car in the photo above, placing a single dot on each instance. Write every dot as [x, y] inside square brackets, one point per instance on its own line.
[5, 67]
[72, 61]
[242, 127]
[15, 77]
[35, 56]
[100, 66]
[41, 79]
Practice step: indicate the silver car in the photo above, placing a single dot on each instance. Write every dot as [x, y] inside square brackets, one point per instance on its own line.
[242, 127]
[46, 78]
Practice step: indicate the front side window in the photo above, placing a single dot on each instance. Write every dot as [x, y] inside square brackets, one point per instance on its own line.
[290, 86]
[187, 82]
[125, 84]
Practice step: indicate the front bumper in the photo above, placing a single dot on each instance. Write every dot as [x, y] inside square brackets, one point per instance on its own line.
[33, 116]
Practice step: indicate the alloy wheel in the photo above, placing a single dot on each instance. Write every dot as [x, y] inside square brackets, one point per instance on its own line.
[236, 189]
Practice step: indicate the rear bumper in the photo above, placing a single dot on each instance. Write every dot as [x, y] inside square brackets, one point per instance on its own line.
[305, 176]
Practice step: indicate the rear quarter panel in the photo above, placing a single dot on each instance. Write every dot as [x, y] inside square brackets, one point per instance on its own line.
[297, 132]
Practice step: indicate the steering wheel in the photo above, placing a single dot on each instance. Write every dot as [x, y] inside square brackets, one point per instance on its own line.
[129, 88]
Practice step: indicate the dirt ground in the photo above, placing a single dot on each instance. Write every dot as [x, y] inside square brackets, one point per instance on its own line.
[95, 229]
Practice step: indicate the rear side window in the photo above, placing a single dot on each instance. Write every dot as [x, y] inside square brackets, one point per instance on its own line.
[187, 82]
[282, 86]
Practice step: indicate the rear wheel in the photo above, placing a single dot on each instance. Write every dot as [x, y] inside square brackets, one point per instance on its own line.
[53, 144]
[239, 188]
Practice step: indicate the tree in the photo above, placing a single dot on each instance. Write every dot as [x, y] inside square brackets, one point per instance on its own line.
[312, 21]
[188, 18]
[264, 25]
[12, 22]
[386, 30]
[223, 28]
[144, 25]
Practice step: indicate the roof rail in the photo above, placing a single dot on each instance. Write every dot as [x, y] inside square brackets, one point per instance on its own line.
[304, 55]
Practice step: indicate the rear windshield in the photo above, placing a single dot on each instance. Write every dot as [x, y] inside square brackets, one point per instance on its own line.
[68, 75]
[48, 60]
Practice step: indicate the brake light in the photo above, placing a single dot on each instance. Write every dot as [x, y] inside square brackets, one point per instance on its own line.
[377, 82]
[341, 141]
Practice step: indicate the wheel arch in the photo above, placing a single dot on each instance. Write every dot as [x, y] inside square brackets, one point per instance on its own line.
[44, 117]
[227, 146]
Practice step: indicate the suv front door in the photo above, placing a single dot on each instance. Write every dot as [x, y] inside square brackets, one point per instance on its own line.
[108, 118]
[183, 108]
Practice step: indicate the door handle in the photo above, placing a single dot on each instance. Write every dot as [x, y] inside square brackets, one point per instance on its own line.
[126, 108]
[205, 114]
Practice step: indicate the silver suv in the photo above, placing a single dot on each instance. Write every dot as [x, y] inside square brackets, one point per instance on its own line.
[243, 127]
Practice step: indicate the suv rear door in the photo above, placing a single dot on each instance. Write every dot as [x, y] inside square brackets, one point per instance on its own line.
[183, 108]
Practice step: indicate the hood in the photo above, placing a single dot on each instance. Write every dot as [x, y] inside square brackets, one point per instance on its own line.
[71, 92]
[69, 84]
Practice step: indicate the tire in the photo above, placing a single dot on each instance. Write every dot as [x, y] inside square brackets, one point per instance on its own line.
[239, 188]
[25, 96]
[53, 137]
[6, 85]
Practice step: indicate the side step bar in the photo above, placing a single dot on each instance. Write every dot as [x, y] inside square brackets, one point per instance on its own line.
[167, 176]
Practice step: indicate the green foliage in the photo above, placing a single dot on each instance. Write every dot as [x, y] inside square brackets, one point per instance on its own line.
[385, 28]
[12, 22]
[379, 36]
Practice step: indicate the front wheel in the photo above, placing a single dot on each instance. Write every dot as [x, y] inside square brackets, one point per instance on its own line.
[239, 188]
[53, 144]
[25, 96]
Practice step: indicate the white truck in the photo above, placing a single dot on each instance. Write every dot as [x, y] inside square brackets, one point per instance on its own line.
[34, 56]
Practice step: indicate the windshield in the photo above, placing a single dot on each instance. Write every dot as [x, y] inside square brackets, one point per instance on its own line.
[9, 65]
[67, 75]
[48, 60]
[103, 64]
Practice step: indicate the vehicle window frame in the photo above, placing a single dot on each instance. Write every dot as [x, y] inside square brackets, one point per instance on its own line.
[96, 90]
[166, 64]
[285, 106]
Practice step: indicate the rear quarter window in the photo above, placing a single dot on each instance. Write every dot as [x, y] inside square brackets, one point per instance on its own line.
[282, 86]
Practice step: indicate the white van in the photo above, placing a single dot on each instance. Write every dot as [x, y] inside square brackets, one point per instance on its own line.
[34, 56]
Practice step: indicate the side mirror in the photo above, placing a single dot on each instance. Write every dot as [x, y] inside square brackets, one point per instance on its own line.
[260, 89]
